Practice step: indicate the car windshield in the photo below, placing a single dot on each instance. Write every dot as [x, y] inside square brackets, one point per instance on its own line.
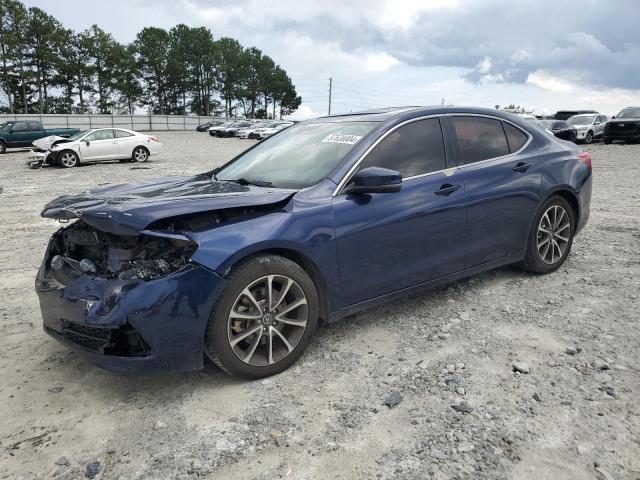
[78, 135]
[5, 126]
[581, 120]
[631, 112]
[299, 156]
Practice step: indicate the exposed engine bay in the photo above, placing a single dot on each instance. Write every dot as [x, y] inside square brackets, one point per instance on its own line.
[83, 249]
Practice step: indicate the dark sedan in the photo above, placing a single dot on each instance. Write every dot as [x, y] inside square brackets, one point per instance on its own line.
[561, 129]
[207, 125]
[317, 222]
[625, 126]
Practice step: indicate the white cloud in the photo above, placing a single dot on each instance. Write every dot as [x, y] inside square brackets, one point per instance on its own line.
[545, 81]
[379, 62]
[304, 112]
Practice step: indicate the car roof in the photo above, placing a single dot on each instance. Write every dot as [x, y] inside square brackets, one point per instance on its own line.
[392, 114]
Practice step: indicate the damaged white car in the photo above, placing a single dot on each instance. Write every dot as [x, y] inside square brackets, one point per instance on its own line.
[95, 145]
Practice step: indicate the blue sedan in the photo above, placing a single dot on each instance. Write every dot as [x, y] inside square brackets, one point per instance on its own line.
[324, 219]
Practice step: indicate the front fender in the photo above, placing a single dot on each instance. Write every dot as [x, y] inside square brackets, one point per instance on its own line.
[309, 234]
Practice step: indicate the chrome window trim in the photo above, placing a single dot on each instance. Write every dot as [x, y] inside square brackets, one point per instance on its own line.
[353, 169]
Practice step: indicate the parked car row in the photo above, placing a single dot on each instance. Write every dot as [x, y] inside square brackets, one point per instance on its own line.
[244, 128]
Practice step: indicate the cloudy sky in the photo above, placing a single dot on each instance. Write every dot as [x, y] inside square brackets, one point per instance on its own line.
[545, 55]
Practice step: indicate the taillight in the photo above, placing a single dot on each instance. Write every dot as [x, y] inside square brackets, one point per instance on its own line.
[586, 159]
[155, 139]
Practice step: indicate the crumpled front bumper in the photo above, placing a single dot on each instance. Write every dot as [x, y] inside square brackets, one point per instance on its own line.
[104, 319]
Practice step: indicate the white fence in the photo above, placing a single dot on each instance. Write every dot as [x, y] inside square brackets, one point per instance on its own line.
[134, 122]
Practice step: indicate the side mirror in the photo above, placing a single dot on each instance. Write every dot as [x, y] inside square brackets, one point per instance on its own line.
[613, 117]
[87, 142]
[375, 180]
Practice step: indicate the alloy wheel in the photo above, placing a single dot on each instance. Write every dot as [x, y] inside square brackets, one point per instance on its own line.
[68, 160]
[588, 137]
[140, 155]
[267, 320]
[554, 232]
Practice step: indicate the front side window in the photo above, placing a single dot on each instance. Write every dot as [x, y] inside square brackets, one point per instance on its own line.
[99, 135]
[480, 138]
[20, 127]
[299, 156]
[413, 149]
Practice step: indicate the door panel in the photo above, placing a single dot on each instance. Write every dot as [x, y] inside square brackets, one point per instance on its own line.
[102, 146]
[390, 241]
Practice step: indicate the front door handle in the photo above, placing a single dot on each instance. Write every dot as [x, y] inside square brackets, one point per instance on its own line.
[447, 189]
[521, 167]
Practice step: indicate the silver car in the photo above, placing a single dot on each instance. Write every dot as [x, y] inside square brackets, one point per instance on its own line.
[590, 126]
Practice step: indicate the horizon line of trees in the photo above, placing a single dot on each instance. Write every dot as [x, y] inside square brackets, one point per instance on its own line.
[47, 68]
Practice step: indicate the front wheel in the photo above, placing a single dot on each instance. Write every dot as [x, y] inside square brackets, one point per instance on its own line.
[68, 159]
[551, 236]
[3, 147]
[607, 141]
[264, 319]
[588, 137]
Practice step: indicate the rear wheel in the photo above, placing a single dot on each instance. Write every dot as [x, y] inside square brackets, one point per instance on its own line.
[140, 155]
[264, 319]
[68, 159]
[551, 236]
[607, 141]
[3, 147]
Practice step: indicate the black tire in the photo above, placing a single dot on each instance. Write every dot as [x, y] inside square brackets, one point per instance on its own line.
[607, 141]
[217, 344]
[68, 159]
[3, 147]
[588, 138]
[533, 260]
[140, 155]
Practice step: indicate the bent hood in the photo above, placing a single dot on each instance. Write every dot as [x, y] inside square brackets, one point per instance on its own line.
[129, 209]
[47, 142]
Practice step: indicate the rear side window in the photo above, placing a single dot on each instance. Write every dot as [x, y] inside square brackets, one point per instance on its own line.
[35, 126]
[122, 134]
[413, 149]
[480, 138]
[516, 138]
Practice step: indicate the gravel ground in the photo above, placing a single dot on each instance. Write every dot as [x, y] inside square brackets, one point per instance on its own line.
[502, 375]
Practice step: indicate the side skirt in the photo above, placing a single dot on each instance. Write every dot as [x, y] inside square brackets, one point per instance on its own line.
[389, 297]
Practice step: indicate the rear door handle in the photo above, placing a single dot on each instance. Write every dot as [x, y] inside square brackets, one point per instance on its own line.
[447, 189]
[521, 167]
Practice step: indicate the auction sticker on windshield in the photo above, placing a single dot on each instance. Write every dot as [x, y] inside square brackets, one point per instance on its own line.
[341, 138]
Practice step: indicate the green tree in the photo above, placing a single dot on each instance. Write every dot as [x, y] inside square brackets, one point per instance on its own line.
[153, 60]
[127, 76]
[230, 71]
[45, 34]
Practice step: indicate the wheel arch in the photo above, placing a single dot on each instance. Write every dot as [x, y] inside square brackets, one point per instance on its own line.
[299, 258]
[570, 196]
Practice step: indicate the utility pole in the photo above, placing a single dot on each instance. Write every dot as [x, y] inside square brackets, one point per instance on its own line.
[330, 85]
[443, 102]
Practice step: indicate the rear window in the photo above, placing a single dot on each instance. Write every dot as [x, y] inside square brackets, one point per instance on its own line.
[516, 138]
[480, 138]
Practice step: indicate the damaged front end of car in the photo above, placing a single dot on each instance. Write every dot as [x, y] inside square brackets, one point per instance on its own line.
[110, 295]
[118, 282]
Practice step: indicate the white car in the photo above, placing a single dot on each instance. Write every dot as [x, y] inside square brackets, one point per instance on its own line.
[250, 131]
[267, 132]
[589, 126]
[95, 145]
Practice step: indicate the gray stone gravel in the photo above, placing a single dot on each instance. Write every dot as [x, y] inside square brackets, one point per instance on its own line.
[569, 417]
